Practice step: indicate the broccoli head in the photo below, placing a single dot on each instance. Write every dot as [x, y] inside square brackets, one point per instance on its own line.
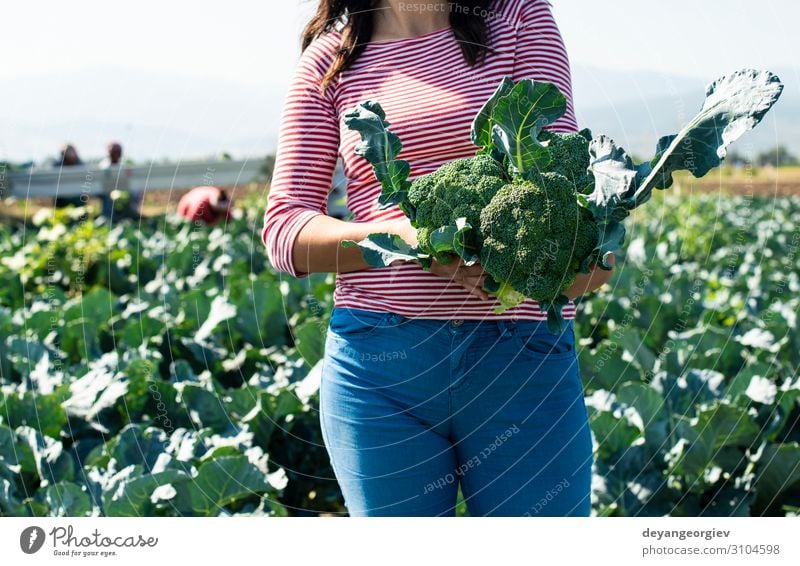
[461, 188]
[570, 157]
[536, 236]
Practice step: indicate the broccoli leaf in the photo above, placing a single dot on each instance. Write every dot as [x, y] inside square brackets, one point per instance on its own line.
[381, 147]
[612, 236]
[556, 323]
[452, 239]
[615, 177]
[481, 132]
[381, 250]
[517, 119]
[734, 104]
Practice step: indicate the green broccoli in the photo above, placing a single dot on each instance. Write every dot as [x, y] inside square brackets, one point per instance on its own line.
[536, 236]
[537, 207]
[570, 157]
[458, 189]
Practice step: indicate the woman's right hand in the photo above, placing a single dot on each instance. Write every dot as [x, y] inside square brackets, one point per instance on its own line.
[469, 276]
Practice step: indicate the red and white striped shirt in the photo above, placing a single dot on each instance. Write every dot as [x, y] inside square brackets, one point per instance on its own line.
[430, 96]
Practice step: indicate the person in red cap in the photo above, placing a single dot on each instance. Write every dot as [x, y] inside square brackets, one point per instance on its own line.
[205, 204]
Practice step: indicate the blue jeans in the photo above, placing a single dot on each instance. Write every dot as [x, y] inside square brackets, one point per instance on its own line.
[413, 408]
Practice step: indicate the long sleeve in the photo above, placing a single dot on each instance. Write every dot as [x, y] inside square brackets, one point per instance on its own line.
[542, 55]
[308, 144]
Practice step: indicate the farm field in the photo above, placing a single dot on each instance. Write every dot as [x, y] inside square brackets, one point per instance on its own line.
[755, 181]
[144, 364]
[156, 202]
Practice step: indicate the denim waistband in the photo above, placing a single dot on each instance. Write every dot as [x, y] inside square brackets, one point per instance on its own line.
[486, 326]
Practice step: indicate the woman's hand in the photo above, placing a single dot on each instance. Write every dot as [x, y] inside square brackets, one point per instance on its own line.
[586, 282]
[405, 230]
[470, 276]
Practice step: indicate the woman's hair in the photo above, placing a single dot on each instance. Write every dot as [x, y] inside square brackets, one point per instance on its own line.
[467, 18]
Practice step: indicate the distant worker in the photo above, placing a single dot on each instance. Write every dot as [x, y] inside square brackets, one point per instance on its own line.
[68, 157]
[113, 157]
[205, 204]
[118, 182]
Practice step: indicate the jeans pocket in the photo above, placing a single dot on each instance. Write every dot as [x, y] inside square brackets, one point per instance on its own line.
[534, 340]
[349, 322]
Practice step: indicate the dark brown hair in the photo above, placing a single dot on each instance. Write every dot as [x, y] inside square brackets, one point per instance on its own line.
[467, 18]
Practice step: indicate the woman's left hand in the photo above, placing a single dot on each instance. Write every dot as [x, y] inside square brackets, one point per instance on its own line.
[586, 282]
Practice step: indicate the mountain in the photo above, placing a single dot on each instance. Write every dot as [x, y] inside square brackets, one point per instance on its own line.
[159, 115]
[155, 115]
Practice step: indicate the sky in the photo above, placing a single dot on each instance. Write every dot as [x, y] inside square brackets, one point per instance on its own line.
[251, 47]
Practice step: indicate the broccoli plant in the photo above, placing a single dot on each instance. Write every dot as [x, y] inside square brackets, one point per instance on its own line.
[537, 207]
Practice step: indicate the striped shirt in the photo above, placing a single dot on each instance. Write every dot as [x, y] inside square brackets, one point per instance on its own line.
[430, 96]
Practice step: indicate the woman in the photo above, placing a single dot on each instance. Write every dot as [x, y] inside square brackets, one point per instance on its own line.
[424, 387]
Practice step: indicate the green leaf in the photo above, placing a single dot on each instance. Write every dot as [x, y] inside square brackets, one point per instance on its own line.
[96, 391]
[737, 387]
[481, 130]
[604, 368]
[734, 104]
[714, 427]
[140, 329]
[451, 239]
[15, 453]
[164, 408]
[53, 463]
[83, 323]
[263, 419]
[632, 342]
[79, 339]
[65, 499]
[517, 119]
[206, 408]
[135, 445]
[730, 501]
[381, 250]
[778, 470]
[220, 482]
[309, 339]
[28, 355]
[614, 434]
[221, 311]
[260, 316]
[650, 406]
[614, 177]
[98, 304]
[556, 323]
[42, 412]
[195, 305]
[132, 497]
[139, 375]
[380, 147]
[10, 505]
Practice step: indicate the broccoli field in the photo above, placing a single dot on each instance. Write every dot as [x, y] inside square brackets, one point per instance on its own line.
[157, 368]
